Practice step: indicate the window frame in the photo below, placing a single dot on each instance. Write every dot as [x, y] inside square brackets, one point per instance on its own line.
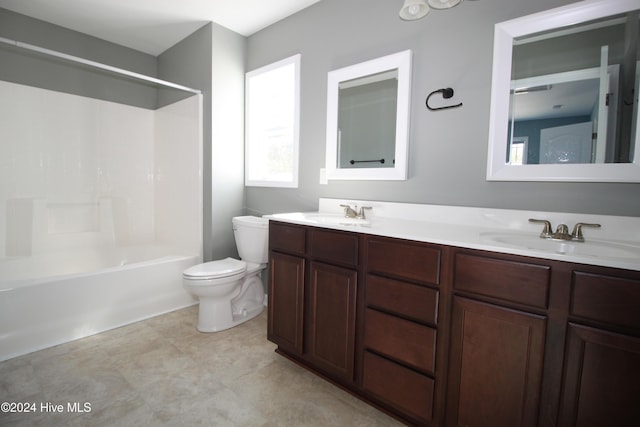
[293, 183]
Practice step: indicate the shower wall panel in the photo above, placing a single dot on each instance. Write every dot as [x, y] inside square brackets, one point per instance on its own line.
[70, 150]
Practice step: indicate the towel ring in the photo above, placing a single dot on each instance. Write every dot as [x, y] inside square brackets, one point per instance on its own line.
[446, 94]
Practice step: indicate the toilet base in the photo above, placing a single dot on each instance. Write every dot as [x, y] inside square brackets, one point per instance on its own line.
[215, 314]
[207, 324]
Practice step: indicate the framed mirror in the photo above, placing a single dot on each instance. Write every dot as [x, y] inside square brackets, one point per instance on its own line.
[564, 95]
[368, 119]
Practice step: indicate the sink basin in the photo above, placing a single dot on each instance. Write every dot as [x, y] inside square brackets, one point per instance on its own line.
[590, 248]
[334, 219]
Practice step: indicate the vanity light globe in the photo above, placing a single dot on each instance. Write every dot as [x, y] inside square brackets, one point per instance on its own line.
[443, 4]
[413, 9]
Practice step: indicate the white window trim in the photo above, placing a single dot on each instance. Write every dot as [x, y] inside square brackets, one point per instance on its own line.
[295, 59]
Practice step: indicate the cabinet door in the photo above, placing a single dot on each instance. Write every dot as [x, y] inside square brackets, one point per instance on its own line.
[601, 380]
[495, 366]
[331, 328]
[286, 298]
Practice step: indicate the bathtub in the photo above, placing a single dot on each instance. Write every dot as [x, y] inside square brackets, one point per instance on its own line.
[52, 298]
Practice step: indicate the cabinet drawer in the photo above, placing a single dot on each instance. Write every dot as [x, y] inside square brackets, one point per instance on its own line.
[333, 246]
[407, 390]
[399, 339]
[416, 302]
[605, 298]
[288, 238]
[406, 260]
[512, 281]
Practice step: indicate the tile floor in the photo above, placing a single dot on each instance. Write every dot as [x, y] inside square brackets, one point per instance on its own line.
[163, 372]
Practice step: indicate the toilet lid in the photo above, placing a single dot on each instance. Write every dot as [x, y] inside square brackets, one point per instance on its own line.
[216, 269]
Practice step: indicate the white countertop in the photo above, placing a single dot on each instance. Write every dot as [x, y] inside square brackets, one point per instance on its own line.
[615, 244]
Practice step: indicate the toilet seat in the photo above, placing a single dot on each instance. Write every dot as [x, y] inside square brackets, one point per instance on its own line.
[216, 269]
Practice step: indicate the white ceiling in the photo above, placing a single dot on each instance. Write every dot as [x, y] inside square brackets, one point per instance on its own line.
[152, 26]
[564, 99]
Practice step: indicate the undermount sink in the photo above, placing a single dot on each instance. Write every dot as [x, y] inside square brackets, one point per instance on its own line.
[335, 219]
[590, 248]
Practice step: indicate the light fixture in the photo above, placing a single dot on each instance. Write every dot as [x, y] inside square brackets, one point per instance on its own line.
[413, 9]
[416, 9]
[529, 89]
[443, 4]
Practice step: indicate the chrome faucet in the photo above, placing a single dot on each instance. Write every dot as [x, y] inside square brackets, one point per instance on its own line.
[350, 212]
[576, 235]
[546, 232]
[562, 231]
[361, 211]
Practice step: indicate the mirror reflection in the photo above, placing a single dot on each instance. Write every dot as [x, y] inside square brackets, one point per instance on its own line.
[367, 121]
[573, 94]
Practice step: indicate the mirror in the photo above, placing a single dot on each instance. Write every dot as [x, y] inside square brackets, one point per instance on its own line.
[368, 119]
[564, 101]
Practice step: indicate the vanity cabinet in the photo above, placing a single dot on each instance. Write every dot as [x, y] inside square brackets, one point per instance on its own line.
[360, 310]
[496, 350]
[601, 381]
[312, 296]
[446, 336]
[287, 245]
[536, 342]
[400, 324]
[331, 302]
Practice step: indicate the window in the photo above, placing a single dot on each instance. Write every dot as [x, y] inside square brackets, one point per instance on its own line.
[518, 150]
[272, 124]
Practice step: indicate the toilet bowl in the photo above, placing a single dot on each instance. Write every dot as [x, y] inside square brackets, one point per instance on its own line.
[230, 291]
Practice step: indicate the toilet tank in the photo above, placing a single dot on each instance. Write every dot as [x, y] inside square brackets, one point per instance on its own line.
[252, 238]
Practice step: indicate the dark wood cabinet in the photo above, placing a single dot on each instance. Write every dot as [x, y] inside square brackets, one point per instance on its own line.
[330, 329]
[408, 392]
[497, 347]
[444, 336]
[400, 326]
[510, 280]
[331, 288]
[287, 272]
[313, 284]
[286, 301]
[542, 343]
[601, 381]
[496, 361]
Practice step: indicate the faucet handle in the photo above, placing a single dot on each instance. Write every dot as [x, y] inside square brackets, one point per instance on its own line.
[361, 211]
[546, 231]
[349, 212]
[576, 235]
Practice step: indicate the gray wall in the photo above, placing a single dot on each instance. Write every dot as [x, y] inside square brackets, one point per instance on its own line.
[33, 69]
[451, 48]
[227, 137]
[212, 60]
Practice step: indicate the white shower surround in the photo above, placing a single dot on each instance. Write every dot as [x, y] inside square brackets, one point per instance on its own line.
[66, 163]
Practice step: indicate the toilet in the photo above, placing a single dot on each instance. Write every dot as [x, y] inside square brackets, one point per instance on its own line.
[230, 290]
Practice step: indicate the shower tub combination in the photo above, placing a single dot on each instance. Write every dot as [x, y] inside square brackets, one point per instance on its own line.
[100, 210]
[89, 286]
[126, 285]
